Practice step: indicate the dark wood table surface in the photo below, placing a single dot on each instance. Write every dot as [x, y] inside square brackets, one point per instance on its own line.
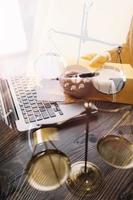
[15, 153]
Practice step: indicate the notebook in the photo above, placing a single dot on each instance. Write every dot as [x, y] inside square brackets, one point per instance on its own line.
[19, 93]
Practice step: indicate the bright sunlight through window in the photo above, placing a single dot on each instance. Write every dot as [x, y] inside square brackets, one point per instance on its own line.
[12, 36]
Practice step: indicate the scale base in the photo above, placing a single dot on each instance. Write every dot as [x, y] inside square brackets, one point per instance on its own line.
[81, 183]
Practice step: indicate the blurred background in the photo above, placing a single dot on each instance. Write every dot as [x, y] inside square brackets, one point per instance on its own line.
[31, 28]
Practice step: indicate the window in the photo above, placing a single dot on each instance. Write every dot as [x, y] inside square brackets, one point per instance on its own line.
[12, 36]
[59, 20]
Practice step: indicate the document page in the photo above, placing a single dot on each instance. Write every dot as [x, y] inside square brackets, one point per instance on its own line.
[50, 90]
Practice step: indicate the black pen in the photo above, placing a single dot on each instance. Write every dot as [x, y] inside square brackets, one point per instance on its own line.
[82, 75]
[88, 75]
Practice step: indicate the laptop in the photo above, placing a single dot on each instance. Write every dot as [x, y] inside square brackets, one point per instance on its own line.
[26, 112]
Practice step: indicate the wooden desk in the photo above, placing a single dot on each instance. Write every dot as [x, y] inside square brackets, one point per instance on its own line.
[15, 154]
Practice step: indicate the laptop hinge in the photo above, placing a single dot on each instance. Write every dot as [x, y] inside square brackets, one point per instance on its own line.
[10, 110]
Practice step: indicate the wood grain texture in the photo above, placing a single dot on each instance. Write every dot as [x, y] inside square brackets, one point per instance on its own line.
[15, 153]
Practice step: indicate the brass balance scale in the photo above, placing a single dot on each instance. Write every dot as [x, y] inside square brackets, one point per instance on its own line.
[51, 168]
[115, 150]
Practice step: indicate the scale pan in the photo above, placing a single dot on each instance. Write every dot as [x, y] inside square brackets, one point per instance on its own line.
[48, 170]
[117, 151]
[111, 80]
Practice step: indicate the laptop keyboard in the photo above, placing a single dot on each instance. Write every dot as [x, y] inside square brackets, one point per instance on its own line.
[32, 109]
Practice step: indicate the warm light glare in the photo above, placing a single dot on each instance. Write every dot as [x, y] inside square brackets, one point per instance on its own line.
[12, 36]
